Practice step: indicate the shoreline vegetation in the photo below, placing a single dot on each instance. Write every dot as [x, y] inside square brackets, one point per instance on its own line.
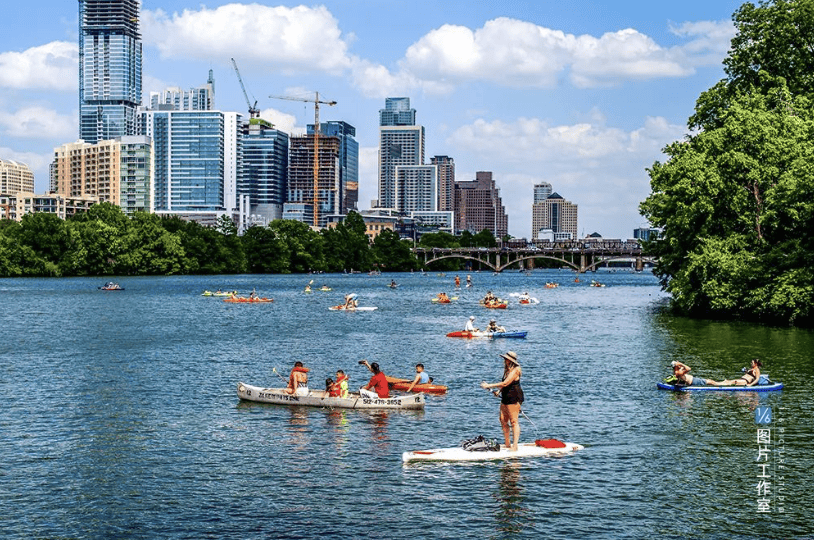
[735, 199]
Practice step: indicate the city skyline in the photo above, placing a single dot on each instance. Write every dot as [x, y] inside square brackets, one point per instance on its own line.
[581, 96]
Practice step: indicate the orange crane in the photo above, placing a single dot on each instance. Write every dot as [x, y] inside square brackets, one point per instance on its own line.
[254, 112]
[316, 101]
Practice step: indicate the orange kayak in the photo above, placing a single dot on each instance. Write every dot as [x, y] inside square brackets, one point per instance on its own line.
[403, 384]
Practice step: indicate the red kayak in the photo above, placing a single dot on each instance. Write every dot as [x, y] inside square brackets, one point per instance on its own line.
[502, 305]
[403, 384]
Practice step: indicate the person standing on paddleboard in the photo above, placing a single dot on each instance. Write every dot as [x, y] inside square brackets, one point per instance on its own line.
[511, 398]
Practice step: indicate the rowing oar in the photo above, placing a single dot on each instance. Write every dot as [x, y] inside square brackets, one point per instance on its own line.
[274, 370]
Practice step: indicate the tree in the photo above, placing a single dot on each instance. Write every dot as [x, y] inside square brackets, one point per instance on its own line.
[735, 203]
[265, 253]
[393, 253]
[347, 246]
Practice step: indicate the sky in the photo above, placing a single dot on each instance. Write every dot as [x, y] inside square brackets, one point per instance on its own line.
[583, 94]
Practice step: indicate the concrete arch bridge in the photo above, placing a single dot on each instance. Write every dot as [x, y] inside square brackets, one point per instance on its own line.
[581, 257]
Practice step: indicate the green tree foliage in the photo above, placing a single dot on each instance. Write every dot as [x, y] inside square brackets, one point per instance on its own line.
[392, 253]
[736, 199]
[347, 246]
[302, 246]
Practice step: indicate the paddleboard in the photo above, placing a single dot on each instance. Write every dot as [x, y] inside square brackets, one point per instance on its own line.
[341, 308]
[709, 388]
[525, 450]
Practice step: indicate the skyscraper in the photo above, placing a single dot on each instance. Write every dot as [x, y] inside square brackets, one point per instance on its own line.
[446, 182]
[348, 160]
[109, 68]
[300, 186]
[265, 169]
[553, 218]
[174, 98]
[401, 142]
[478, 206]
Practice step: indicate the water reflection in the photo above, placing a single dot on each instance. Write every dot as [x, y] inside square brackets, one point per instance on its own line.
[513, 515]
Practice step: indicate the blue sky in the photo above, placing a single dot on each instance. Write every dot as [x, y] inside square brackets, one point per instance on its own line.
[581, 94]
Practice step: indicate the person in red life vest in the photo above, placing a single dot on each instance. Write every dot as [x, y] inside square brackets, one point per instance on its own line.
[298, 380]
[378, 382]
[340, 387]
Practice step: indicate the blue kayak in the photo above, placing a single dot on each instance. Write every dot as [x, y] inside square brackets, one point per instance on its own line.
[709, 388]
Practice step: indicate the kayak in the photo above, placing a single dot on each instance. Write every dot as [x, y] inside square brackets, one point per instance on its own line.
[242, 300]
[487, 335]
[539, 448]
[709, 388]
[343, 308]
[320, 398]
[447, 301]
[325, 289]
[524, 301]
[502, 305]
[210, 293]
[116, 288]
[403, 384]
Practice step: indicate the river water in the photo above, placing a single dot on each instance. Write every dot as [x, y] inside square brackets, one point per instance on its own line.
[120, 418]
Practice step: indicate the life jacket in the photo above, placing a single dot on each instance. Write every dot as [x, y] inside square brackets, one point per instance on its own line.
[337, 388]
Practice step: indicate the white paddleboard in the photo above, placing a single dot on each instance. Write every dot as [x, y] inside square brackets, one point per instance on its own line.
[457, 453]
[365, 308]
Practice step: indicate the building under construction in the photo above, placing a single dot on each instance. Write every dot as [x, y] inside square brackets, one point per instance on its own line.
[300, 187]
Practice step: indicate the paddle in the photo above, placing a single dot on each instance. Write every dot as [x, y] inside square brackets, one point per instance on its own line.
[274, 370]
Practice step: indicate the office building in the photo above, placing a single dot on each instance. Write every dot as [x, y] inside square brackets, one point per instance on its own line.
[15, 177]
[553, 218]
[446, 182]
[542, 191]
[478, 206]
[401, 143]
[265, 170]
[174, 98]
[300, 186]
[109, 69]
[348, 161]
[118, 171]
[197, 162]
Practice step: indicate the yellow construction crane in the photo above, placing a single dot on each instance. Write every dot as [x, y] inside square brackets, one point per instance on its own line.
[254, 112]
[316, 101]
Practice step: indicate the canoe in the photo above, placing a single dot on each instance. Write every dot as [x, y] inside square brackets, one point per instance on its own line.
[403, 384]
[363, 308]
[487, 335]
[320, 398]
[242, 300]
[551, 447]
[708, 388]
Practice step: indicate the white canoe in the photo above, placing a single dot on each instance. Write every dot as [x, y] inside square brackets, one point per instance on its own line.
[320, 398]
[524, 450]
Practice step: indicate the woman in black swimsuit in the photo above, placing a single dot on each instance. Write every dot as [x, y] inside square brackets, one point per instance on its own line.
[749, 378]
[511, 398]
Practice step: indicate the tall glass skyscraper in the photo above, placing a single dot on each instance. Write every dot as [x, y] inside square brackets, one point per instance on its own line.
[401, 142]
[109, 68]
[265, 168]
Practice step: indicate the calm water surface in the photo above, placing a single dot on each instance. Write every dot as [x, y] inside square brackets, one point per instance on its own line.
[120, 419]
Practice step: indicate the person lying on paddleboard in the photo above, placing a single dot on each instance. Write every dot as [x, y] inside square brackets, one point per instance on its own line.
[378, 382]
[749, 378]
[298, 380]
[681, 372]
[421, 377]
[511, 398]
[351, 301]
[493, 327]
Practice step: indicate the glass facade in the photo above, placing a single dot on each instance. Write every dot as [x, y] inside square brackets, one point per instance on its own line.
[348, 161]
[109, 69]
[397, 112]
[265, 168]
[197, 159]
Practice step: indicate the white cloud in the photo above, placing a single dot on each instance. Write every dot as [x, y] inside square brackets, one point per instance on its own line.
[514, 53]
[282, 121]
[39, 123]
[368, 175]
[33, 160]
[53, 66]
[291, 40]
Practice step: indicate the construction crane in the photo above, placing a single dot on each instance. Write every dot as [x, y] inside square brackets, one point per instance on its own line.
[316, 101]
[254, 112]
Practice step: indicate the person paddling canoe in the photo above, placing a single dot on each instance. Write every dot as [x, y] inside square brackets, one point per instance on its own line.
[378, 382]
[298, 380]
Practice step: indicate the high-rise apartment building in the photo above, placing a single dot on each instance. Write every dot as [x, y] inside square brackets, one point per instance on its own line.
[348, 161]
[15, 177]
[553, 218]
[109, 69]
[265, 169]
[174, 98]
[300, 187]
[197, 161]
[446, 182]
[542, 191]
[478, 206]
[401, 142]
[117, 171]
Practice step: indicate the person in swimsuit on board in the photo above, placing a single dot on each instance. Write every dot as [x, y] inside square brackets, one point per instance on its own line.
[749, 378]
[681, 372]
[511, 398]
[298, 380]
